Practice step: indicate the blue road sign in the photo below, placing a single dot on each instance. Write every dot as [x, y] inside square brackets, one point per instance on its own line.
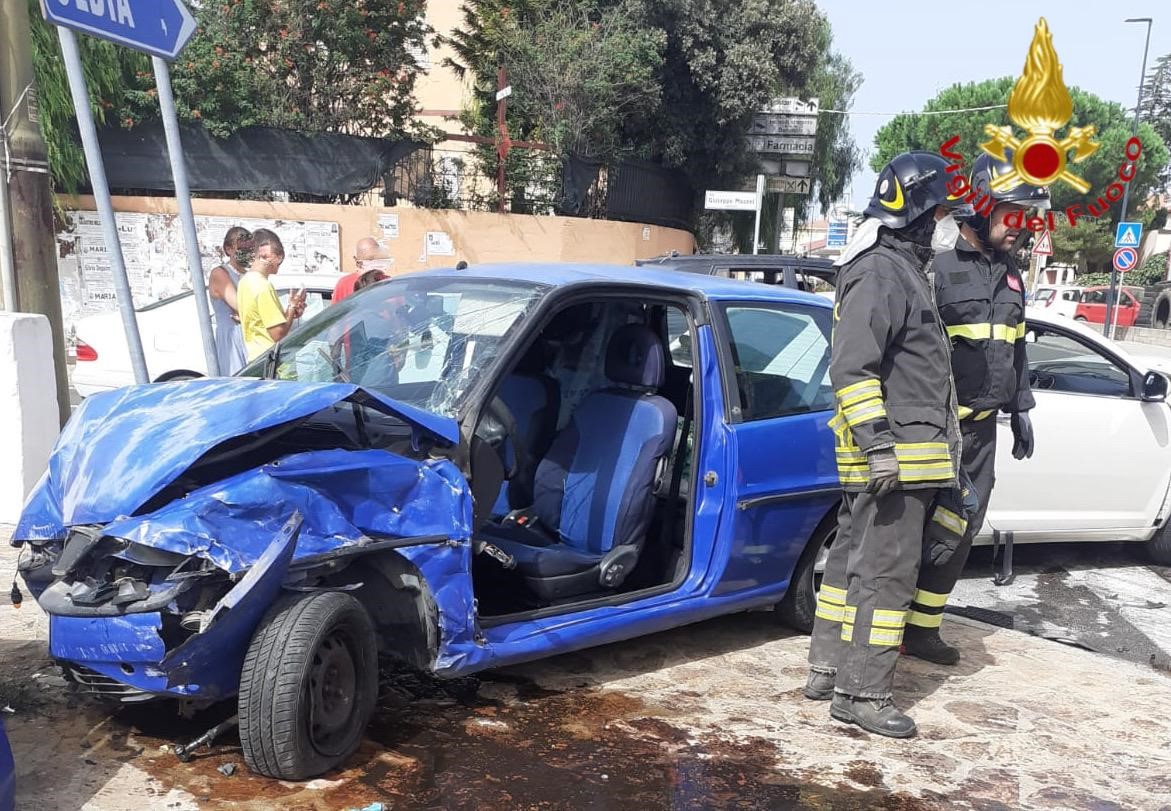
[1127, 235]
[836, 233]
[157, 27]
[1125, 259]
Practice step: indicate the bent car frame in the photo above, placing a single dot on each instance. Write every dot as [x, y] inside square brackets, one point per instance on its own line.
[456, 470]
[464, 470]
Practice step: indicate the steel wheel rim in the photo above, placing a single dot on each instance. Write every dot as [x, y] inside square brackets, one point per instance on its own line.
[332, 687]
[819, 563]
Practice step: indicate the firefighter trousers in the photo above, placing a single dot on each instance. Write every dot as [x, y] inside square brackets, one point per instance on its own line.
[867, 588]
[936, 582]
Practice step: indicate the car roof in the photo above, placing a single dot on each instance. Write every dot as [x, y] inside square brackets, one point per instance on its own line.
[745, 260]
[561, 274]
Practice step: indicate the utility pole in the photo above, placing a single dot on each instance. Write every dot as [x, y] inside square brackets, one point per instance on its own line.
[1112, 299]
[30, 197]
[504, 145]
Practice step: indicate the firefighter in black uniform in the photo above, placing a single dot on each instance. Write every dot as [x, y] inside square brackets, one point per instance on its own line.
[897, 438]
[980, 296]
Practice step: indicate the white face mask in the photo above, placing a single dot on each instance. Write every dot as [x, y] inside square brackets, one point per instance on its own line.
[947, 233]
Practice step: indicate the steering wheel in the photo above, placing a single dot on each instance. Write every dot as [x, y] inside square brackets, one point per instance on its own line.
[498, 430]
[1041, 380]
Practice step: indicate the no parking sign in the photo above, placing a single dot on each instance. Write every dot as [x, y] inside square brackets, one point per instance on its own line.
[1125, 259]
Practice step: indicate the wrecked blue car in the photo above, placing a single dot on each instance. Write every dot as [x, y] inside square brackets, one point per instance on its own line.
[456, 470]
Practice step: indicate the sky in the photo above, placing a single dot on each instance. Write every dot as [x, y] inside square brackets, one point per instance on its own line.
[909, 50]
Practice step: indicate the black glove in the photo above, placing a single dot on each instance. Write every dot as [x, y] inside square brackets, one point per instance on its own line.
[1022, 433]
[884, 471]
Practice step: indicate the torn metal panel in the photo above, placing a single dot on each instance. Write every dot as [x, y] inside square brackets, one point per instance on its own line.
[130, 638]
[99, 472]
[344, 496]
[208, 663]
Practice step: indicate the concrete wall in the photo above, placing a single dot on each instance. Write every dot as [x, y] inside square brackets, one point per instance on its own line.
[476, 236]
[1141, 335]
[28, 408]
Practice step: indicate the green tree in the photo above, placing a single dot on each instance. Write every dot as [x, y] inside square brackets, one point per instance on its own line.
[308, 65]
[726, 60]
[836, 156]
[1114, 126]
[579, 72]
[1156, 107]
[698, 70]
[109, 71]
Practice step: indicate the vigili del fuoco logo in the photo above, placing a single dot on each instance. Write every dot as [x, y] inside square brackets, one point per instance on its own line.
[1040, 105]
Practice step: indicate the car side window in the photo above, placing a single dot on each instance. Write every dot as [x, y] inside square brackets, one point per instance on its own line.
[1060, 363]
[781, 359]
[678, 337]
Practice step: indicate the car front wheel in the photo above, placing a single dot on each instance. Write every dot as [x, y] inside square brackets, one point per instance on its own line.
[1159, 547]
[800, 602]
[308, 686]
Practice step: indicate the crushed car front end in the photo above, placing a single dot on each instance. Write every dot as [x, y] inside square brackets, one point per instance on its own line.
[173, 516]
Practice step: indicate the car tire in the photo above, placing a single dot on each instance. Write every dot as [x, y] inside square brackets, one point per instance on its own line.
[797, 607]
[308, 685]
[1081, 318]
[1161, 312]
[177, 374]
[1159, 546]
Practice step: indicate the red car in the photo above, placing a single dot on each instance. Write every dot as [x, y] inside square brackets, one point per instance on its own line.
[1092, 306]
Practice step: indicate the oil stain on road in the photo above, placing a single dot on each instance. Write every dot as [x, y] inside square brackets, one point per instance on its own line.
[500, 742]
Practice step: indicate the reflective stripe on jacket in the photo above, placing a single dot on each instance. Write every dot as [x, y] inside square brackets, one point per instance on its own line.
[981, 302]
[891, 371]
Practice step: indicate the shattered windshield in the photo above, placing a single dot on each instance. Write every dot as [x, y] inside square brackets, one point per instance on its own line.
[423, 341]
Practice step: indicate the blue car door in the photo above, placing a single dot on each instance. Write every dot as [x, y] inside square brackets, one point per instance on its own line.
[775, 363]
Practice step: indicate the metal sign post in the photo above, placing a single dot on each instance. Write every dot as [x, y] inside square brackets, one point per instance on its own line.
[97, 179]
[160, 28]
[759, 204]
[186, 213]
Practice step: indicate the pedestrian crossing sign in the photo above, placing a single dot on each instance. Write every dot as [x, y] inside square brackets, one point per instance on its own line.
[1127, 235]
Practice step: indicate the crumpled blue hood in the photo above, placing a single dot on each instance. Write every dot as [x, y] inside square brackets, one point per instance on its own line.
[122, 447]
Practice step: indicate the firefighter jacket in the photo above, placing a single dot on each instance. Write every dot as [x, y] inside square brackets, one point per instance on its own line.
[891, 370]
[982, 304]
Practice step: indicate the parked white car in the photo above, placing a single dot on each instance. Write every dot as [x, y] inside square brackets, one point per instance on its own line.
[1102, 466]
[170, 334]
[1060, 299]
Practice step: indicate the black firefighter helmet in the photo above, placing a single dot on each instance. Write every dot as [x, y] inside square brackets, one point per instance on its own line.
[985, 198]
[911, 185]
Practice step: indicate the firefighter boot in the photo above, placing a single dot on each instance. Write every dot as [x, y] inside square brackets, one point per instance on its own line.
[820, 686]
[877, 715]
[925, 643]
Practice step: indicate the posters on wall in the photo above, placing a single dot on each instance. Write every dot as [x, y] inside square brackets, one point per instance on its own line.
[156, 256]
[439, 243]
[388, 223]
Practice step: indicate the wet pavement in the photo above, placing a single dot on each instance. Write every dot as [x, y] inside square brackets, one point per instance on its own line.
[1103, 597]
[708, 716]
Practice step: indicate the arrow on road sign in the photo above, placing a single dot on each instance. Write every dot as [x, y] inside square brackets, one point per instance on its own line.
[1125, 259]
[1044, 246]
[789, 185]
[157, 27]
[1127, 234]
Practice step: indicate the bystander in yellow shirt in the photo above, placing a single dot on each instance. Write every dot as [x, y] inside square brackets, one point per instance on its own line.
[259, 309]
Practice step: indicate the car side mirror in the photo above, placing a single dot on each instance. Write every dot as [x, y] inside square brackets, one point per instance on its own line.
[1154, 388]
[1031, 337]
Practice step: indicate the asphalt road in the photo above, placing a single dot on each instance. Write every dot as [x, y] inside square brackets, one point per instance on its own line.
[1106, 598]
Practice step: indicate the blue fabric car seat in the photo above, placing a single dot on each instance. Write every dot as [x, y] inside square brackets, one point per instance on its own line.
[534, 401]
[594, 488]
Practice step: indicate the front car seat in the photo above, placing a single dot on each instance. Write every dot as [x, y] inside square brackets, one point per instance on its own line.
[594, 489]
